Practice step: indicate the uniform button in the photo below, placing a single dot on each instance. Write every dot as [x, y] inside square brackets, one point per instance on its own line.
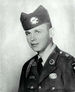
[74, 67]
[60, 52]
[32, 87]
[32, 77]
[53, 88]
[39, 87]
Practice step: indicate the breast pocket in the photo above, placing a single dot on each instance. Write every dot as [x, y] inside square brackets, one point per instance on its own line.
[31, 84]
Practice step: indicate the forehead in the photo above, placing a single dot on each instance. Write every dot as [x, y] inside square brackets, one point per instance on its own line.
[40, 27]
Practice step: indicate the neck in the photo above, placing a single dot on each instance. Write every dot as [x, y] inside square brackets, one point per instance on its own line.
[42, 52]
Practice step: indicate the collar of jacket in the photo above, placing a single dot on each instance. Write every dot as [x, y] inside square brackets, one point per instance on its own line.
[32, 62]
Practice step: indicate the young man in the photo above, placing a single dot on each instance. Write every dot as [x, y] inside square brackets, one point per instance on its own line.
[51, 70]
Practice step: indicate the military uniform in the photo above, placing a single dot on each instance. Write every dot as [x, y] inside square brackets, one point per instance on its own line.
[58, 74]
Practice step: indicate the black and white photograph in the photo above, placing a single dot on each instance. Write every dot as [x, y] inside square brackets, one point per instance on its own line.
[37, 46]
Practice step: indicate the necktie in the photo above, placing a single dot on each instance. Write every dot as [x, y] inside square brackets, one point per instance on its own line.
[39, 65]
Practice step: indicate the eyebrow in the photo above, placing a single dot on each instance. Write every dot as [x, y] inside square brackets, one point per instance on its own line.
[37, 30]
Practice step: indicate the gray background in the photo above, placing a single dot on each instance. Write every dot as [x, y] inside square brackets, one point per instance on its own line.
[14, 50]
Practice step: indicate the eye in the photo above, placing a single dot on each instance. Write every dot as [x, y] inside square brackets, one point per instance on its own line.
[37, 31]
[27, 33]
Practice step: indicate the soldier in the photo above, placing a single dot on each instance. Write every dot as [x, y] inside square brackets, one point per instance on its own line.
[51, 70]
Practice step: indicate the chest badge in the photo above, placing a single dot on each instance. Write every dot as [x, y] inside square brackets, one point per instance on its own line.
[52, 62]
[53, 76]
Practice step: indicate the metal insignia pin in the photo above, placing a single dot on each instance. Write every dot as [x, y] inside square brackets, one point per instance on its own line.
[60, 52]
[34, 20]
[67, 55]
[52, 62]
[53, 76]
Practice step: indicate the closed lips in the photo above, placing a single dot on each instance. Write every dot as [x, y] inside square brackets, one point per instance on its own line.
[34, 43]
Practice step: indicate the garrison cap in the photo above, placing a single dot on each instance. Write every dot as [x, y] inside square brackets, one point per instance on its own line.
[36, 18]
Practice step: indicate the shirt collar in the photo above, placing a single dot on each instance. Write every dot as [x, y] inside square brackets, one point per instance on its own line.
[47, 52]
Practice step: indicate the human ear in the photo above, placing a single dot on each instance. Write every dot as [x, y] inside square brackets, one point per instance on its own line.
[51, 32]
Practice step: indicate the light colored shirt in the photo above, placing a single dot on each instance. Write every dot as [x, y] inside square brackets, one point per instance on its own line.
[47, 52]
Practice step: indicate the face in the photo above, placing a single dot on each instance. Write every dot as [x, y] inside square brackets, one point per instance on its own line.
[38, 37]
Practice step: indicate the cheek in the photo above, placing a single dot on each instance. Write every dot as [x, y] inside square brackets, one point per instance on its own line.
[28, 40]
[44, 38]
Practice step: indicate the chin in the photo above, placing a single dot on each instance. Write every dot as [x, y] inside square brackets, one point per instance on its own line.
[36, 49]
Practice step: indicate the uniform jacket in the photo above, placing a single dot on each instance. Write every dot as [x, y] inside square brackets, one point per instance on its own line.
[58, 74]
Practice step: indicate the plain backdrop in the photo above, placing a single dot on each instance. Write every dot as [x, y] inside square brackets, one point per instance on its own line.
[14, 50]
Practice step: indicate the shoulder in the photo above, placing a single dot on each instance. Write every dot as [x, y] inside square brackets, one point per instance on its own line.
[27, 66]
[67, 59]
[28, 62]
[66, 55]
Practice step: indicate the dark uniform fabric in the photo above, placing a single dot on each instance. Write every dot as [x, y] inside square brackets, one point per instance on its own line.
[58, 74]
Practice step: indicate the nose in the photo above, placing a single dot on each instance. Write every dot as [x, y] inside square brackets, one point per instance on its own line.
[33, 37]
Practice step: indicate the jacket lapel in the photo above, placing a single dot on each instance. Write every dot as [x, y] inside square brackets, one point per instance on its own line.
[50, 65]
[32, 65]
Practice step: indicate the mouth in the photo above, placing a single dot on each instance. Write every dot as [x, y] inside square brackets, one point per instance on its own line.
[34, 44]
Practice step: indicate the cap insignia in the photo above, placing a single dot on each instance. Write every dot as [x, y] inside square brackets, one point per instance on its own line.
[34, 20]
